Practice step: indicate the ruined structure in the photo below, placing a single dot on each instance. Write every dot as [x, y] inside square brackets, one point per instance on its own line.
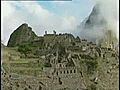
[61, 62]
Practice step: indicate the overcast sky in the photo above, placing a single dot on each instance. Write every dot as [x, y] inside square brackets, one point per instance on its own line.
[62, 16]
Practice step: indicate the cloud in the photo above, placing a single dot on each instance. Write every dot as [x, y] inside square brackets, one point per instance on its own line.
[40, 19]
[109, 10]
[106, 10]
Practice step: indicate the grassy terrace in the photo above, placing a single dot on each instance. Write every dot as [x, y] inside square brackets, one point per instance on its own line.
[25, 66]
[26, 71]
[26, 63]
[19, 61]
[25, 59]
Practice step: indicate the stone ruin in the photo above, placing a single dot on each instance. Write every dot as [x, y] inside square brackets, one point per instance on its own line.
[59, 76]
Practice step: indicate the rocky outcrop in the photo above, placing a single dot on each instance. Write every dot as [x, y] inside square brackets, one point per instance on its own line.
[22, 34]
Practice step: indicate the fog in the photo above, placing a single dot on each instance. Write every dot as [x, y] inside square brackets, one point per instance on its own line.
[106, 11]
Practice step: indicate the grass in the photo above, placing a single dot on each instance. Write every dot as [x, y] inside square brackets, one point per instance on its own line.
[22, 66]
[25, 69]
[20, 61]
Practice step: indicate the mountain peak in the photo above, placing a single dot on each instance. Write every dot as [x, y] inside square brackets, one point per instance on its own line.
[22, 34]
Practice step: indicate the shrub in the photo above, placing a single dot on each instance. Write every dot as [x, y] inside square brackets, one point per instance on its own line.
[92, 87]
[91, 65]
[24, 49]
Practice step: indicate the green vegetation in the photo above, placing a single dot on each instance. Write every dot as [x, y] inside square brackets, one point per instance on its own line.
[47, 64]
[92, 87]
[86, 57]
[24, 49]
[90, 62]
[91, 65]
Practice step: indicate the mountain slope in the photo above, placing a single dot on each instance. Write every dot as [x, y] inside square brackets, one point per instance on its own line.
[20, 35]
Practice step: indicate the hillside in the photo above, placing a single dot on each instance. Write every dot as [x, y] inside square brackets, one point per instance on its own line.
[58, 61]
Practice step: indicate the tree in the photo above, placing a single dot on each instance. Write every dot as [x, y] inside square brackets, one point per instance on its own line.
[24, 49]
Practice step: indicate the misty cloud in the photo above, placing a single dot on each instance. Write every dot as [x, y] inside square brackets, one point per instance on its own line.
[103, 17]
